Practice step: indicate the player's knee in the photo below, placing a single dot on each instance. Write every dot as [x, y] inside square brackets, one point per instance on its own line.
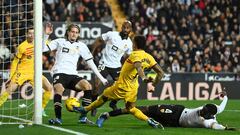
[129, 106]
[84, 85]
[58, 88]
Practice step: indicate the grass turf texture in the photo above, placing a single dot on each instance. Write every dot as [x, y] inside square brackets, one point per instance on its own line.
[127, 124]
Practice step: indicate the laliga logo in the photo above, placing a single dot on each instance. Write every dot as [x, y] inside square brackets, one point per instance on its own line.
[86, 32]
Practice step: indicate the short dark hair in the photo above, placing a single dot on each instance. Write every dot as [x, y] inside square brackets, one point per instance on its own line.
[208, 111]
[69, 27]
[140, 41]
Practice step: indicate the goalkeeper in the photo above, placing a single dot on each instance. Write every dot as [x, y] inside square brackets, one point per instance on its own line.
[22, 70]
[179, 115]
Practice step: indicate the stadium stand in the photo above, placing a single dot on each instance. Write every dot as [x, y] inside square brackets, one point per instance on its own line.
[189, 35]
[182, 35]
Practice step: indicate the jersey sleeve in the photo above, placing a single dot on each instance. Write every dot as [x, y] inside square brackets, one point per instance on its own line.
[20, 51]
[134, 57]
[152, 61]
[85, 52]
[209, 123]
[222, 106]
[52, 45]
[105, 36]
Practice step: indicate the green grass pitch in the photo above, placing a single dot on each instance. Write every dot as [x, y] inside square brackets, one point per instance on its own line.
[127, 124]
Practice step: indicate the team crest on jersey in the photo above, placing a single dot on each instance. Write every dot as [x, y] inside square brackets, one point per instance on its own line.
[165, 111]
[162, 110]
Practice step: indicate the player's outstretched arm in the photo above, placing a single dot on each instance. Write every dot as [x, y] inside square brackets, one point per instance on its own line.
[48, 29]
[222, 106]
[92, 65]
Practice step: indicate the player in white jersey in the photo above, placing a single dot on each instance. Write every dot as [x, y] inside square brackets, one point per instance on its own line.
[68, 51]
[117, 44]
[179, 115]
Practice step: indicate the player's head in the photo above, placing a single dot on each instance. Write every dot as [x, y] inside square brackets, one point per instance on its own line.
[72, 33]
[30, 34]
[126, 29]
[208, 111]
[139, 42]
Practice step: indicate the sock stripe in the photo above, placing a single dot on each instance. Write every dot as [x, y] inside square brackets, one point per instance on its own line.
[58, 104]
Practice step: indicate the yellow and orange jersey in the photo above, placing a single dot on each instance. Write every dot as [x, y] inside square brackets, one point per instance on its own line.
[128, 78]
[25, 54]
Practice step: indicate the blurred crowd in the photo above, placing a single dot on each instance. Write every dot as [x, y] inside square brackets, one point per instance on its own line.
[189, 35]
[182, 35]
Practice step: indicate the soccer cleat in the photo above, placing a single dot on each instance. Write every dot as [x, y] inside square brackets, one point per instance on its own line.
[94, 112]
[55, 121]
[113, 105]
[101, 119]
[44, 113]
[154, 123]
[85, 120]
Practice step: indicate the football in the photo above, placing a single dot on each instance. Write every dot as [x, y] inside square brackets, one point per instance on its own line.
[72, 102]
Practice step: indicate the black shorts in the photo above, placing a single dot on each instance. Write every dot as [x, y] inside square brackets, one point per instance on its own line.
[113, 72]
[167, 115]
[68, 81]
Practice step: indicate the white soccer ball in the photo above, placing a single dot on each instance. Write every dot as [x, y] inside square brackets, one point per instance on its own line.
[21, 126]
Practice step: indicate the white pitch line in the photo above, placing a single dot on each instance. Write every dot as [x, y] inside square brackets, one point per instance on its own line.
[232, 110]
[63, 129]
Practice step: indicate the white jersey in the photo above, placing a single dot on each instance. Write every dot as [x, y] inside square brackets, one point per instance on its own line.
[191, 117]
[115, 49]
[67, 55]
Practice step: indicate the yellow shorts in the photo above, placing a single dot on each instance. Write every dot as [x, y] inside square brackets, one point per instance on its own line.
[115, 93]
[22, 77]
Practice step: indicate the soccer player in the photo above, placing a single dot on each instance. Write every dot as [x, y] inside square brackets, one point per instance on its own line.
[126, 87]
[117, 44]
[179, 115]
[65, 75]
[22, 70]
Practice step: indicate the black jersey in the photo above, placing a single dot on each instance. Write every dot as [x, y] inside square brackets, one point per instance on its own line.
[167, 115]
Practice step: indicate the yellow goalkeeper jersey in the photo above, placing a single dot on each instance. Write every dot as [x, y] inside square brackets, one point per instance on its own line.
[128, 79]
[25, 54]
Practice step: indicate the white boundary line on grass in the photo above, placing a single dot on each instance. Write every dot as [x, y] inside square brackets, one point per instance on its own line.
[44, 125]
[63, 129]
[232, 110]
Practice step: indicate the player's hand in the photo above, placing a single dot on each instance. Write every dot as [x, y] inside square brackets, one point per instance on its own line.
[222, 94]
[148, 79]
[105, 82]
[150, 87]
[48, 28]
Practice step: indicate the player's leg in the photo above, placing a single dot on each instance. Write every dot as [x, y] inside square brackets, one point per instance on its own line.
[11, 87]
[114, 73]
[59, 82]
[47, 93]
[108, 92]
[130, 106]
[95, 92]
[86, 87]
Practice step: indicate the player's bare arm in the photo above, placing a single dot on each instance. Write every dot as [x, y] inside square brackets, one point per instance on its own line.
[159, 72]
